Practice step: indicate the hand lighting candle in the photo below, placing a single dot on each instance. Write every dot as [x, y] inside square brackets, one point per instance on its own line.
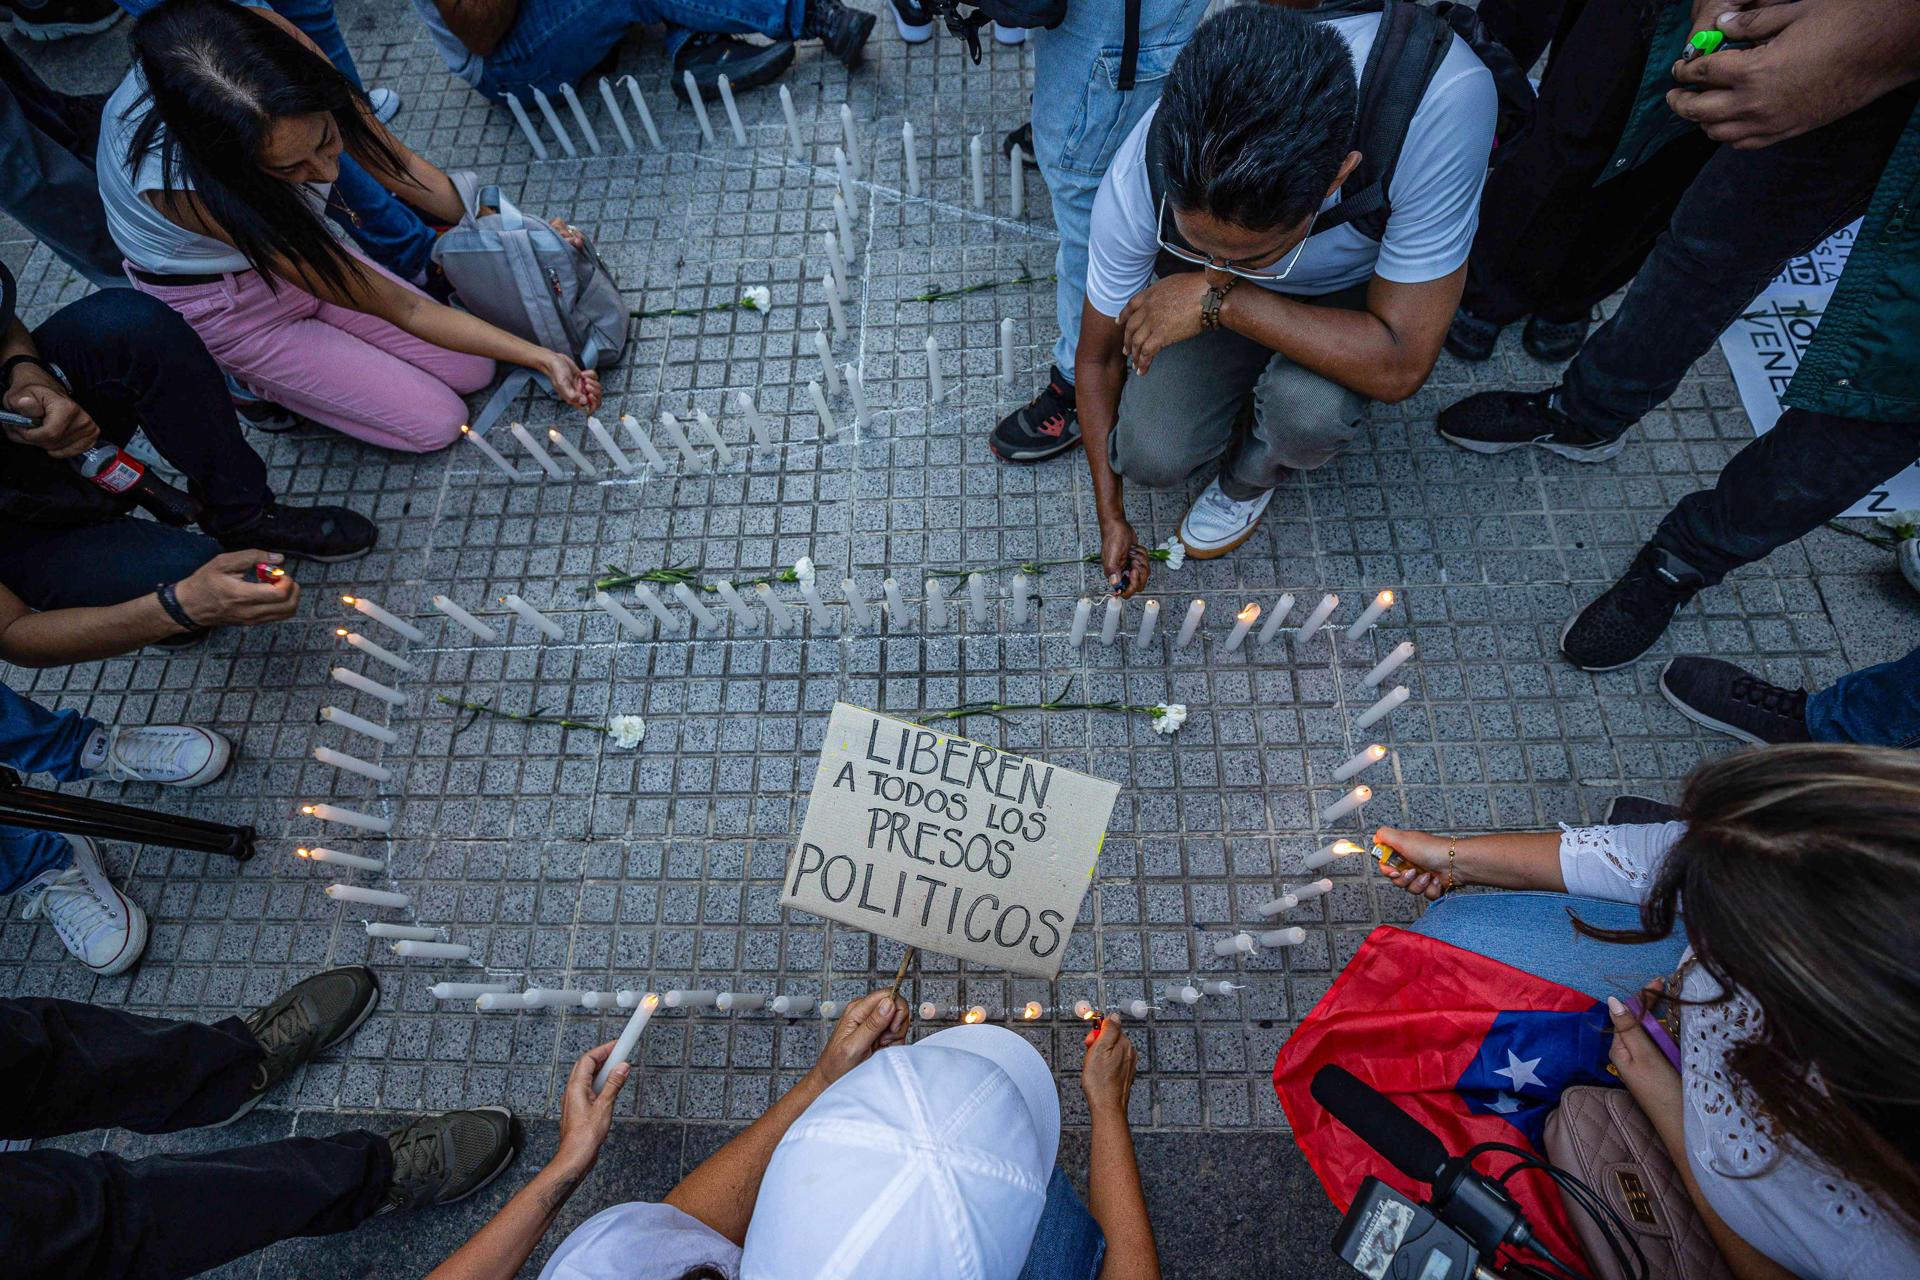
[1338, 849]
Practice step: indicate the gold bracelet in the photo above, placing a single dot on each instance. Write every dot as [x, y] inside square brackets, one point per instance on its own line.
[1451, 882]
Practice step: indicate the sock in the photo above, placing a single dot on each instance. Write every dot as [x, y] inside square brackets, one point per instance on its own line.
[94, 754]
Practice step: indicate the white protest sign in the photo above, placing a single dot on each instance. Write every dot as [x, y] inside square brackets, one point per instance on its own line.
[1819, 267]
[947, 844]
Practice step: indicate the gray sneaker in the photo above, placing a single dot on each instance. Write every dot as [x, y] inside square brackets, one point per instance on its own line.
[313, 1015]
[444, 1158]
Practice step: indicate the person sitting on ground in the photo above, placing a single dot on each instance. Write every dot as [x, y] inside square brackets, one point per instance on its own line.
[1235, 179]
[510, 47]
[67, 1068]
[1794, 1116]
[215, 157]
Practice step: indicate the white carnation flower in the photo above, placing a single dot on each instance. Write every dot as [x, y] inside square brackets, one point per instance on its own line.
[1176, 552]
[626, 731]
[758, 298]
[1170, 717]
[803, 570]
[1899, 519]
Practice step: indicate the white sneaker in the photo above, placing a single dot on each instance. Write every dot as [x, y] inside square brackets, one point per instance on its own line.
[175, 755]
[1009, 35]
[102, 928]
[1217, 524]
[386, 104]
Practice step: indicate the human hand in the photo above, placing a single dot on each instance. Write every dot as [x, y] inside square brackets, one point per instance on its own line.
[871, 1023]
[1648, 1074]
[61, 426]
[1122, 557]
[578, 387]
[1106, 1076]
[585, 1116]
[1427, 852]
[1165, 312]
[220, 593]
[1813, 61]
[574, 237]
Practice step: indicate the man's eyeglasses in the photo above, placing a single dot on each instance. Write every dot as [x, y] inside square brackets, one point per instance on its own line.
[1226, 265]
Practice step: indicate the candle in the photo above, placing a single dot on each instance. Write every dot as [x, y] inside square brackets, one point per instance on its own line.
[936, 389]
[979, 173]
[1381, 603]
[553, 123]
[936, 605]
[1239, 944]
[378, 652]
[604, 439]
[699, 106]
[496, 1001]
[628, 999]
[977, 598]
[858, 390]
[684, 594]
[856, 604]
[1284, 903]
[837, 314]
[756, 425]
[1346, 804]
[793, 123]
[843, 219]
[853, 143]
[574, 455]
[1110, 624]
[1149, 619]
[548, 998]
[1081, 613]
[791, 1006]
[733, 601]
[1031, 1011]
[1318, 618]
[1363, 760]
[913, 160]
[419, 949]
[1019, 599]
[931, 1012]
[1338, 849]
[417, 932]
[827, 367]
[820, 411]
[645, 595]
[1315, 889]
[707, 428]
[613, 110]
[1017, 180]
[1195, 611]
[640, 109]
[640, 442]
[1084, 1010]
[533, 616]
[372, 688]
[342, 859]
[466, 990]
[1184, 994]
[580, 117]
[366, 728]
[1219, 986]
[1292, 936]
[492, 453]
[598, 999]
[385, 619]
[1242, 623]
[733, 112]
[778, 610]
[1394, 697]
[837, 268]
[896, 607]
[1136, 1009]
[1006, 351]
[352, 764]
[348, 818]
[367, 897]
[811, 594]
[1389, 664]
[845, 173]
[540, 455]
[1281, 608]
[465, 619]
[976, 1014]
[830, 1009]
[526, 127]
[739, 1002]
[618, 613]
[691, 999]
[671, 425]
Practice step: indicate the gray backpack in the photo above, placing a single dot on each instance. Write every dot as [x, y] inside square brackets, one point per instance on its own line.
[516, 272]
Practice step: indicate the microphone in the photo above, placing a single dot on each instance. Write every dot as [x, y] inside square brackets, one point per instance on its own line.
[1408, 1145]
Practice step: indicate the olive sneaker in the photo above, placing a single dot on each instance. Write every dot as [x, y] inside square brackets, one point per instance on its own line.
[1628, 617]
[312, 1016]
[444, 1158]
[1496, 421]
[1735, 702]
[1047, 425]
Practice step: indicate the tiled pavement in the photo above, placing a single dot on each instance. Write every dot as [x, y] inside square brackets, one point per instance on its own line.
[568, 862]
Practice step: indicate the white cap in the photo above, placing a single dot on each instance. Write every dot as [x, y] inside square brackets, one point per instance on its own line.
[928, 1160]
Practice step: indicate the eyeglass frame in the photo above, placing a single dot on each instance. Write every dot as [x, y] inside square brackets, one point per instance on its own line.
[1189, 255]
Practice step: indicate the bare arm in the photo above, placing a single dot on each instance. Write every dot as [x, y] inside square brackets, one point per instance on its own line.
[479, 24]
[1099, 372]
[1115, 1198]
[1522, 860]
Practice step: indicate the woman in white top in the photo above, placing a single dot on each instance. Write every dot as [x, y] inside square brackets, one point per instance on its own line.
[1795, 1115]
[216, 160]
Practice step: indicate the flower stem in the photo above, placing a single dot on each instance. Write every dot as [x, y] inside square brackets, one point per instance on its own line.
[1033, 568]
[480, 708]
[941, 295]
[618, 577]
[1877, 541]
[639, 314]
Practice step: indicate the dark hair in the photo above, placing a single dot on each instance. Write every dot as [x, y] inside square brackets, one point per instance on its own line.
[1257, 117]
[217, 75]
[1799, 881]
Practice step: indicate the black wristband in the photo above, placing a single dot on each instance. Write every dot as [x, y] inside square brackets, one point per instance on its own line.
[171, 603]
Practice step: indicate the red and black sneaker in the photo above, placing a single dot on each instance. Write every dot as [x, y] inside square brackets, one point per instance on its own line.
[1049, 425]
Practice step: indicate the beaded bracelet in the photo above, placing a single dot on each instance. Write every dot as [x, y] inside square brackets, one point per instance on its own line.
[171, 603]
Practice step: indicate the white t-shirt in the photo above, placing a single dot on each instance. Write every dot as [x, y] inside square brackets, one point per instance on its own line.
[641, 1241]
[460, 60]
[1435, 195]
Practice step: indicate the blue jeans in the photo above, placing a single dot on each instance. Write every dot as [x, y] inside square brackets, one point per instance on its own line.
[1877, 707]
[556, 42]
[36, 740]
[1068, 1244]
[1075, 136]
[1531, 932]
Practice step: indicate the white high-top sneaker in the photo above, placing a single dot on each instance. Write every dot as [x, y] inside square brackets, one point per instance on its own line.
[103, 928]
[1217, 524]
[176, 755]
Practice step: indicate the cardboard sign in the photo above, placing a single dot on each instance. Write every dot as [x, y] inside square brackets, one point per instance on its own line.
[947, 844]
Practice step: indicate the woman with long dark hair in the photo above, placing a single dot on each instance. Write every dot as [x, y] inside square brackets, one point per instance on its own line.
[1789, 896]
[216, 159]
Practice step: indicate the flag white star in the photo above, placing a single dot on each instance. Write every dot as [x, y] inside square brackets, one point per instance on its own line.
[1504, 1104]
[1521, 1073]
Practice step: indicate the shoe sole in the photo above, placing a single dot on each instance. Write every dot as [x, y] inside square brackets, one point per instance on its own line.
[48, 32]
[1700, 717]
[317, 559]
[1475, 356]
[342, 1038]
[912, 35]
[1214, 553]
[1577, 666]
[1571, 452]
[1033, 456]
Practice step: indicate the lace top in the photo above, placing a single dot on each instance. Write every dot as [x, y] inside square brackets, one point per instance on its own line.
[1770, 1191]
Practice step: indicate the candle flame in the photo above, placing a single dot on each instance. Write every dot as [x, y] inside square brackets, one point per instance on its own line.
[1248, 614]
[553, 433]
[1377, 751]
[340, 631]
[1384, 599]
[463, 429]
[652, 1001]
[975, 1014]
[1032, 1011]
[346, 599]
[1083, 1010]
[306, 808]
[1363, 793]
[303, 853]
[1346, 846]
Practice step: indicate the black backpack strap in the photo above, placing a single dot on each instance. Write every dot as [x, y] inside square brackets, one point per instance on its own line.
[1130, 48]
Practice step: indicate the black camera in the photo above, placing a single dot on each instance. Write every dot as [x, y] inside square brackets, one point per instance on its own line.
[964, 18]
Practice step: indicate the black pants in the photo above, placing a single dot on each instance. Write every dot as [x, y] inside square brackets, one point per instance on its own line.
[67, 1068]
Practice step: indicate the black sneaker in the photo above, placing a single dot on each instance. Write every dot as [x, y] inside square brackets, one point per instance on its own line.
[1738, 703]
[1496, 421]
[1048, 425]
[746, 66]
[1554, 340]
[51, 20]
[1631, 614]
[1471, 338]
[914, 19]
[444, 1158]
[1023, 139]
[313, 1015]
[1635, 810]
[842, 30]
[265, 415]
[324, 534]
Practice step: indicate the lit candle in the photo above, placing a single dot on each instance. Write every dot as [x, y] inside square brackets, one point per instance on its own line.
[756, 425]
[653, 604]
[574, 455]
[678, 437]
[1389, 664]
[353, 764]
[1242, 623]
[580, 117]
[1310, 891]
[640, 442]
[896, 607]
[739, 1002]
[837, 268]
[913, 160]
[979, 173]
[354, 724]
[853, 143]
[684, 594]
[1321, 857]
[342, 859]
[845, 174]
[1281, 608]
[540, 455]
[932, 1012]
[733, 601]
[791, 1006]
[553, 123]
[1381, 603]
[640, 109]
[811, 594]
[828, 426]
[1278, 906]
[1031, 1011]
[936, 389]
[618, 613]
[1017, 181]
[1006, 351]
[1195, 611]
[367, 897]
[691, 999]
[613, 451]
[1149, 619]
[828, 370]
[733, 112]
[417, 949]
[417, 932]
[779, 612]
[385, 619]
[856, 604]
[977, 598]
[613, 110]
[1318, 618]
[1394, 697]
[1019, 599]
[1110, 624]
[1346, 804]
[976, 1014]
[378, 652]
[526, 127]
[1084, 1010]
[699, 106]
[372, 688]
[493, 454]
[1136, 1009]
[837, 314]
[1239, 944]
[793, 123]
[465, 619]
[1291, 936]
[1081, 613]
[466, 990]
[936, 605]
[1184, 994]
[532, 616]
[857, 388]
[706, 427]
[1219, 987]
[843, 219]
[348, 818]
[1363, 760]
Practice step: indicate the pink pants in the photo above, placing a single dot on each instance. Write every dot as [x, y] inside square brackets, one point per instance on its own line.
[351, 371]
